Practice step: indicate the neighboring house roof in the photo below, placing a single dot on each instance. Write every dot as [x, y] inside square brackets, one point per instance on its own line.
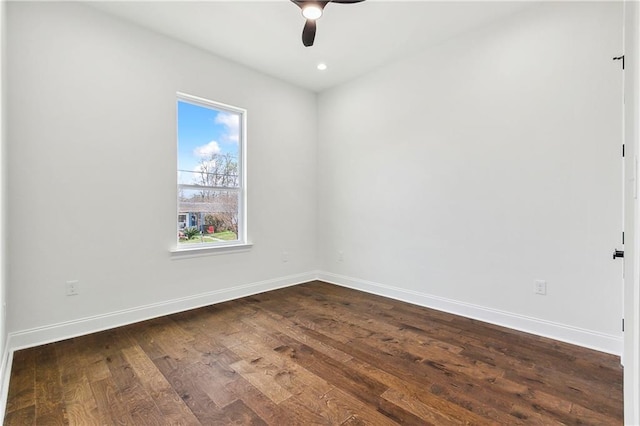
[215, 207]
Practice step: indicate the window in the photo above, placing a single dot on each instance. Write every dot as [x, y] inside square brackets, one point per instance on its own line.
[211, 182]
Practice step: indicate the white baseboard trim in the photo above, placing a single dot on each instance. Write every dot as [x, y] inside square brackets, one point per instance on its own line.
[5, 374]
[56, 332]
[65, 330]
[565, 333]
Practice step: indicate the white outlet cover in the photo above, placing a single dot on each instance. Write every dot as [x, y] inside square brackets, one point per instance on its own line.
[72, 287]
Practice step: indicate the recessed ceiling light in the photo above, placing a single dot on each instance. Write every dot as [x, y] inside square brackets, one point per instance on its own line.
[322, 66]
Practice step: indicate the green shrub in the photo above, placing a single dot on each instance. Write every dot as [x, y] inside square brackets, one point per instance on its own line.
[191, 232]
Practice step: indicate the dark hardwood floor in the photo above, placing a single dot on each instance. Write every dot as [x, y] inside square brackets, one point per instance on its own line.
[313, 354]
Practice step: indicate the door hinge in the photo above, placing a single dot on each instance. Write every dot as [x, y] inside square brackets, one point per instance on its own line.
[623, 150]
[622, 237]
[622, 324]
[618, 58]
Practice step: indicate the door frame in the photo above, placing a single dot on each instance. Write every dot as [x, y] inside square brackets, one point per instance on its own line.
[631, 355]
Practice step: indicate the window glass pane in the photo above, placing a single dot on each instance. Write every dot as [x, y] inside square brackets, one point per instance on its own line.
[211, 189]
[207, 216]
[208, 146]
[214, 174]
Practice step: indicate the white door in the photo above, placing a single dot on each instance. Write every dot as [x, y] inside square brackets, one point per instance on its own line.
[631, 357]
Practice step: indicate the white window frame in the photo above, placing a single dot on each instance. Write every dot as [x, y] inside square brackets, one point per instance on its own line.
[242, 241]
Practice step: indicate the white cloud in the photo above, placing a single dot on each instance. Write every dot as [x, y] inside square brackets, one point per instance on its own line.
[207, 150]
[232, 123]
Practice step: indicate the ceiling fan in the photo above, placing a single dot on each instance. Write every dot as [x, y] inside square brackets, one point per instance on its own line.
[312, 10]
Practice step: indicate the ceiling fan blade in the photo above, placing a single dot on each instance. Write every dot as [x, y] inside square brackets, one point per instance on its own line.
[309, 33]
[309, 30]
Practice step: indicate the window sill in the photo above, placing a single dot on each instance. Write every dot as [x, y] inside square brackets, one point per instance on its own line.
[191, 252]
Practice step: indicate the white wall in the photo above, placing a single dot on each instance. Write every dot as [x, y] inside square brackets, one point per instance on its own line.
[5, 352]
[92, 158]
[454, 178]
[457, 177]
[3, 191]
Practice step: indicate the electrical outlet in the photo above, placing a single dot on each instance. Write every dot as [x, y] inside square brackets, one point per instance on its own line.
[73, 288]
[285, 256]
[540, 287]
[340, 256]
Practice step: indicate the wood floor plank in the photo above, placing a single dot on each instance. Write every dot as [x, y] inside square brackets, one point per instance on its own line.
[280, 324]
[173, 409]
[145, 334]
[291, 375]
[50, 407]
[110, 403]
[185, 383]
[262, 381]
[80, 402]
[377, 320]
[330, 411]
[424, 411]
[313, 354]
[77, 394]
[24, 416]
[141, 408]
[271, 413]
[212, 379]
[427, 395]
[357, 408]
[22, 392]
[240, 414]
[337, 373]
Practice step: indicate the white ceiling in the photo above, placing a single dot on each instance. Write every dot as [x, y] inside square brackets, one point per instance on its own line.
[351, 39]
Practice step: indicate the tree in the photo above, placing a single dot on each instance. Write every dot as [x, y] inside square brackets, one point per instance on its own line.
[219, 171]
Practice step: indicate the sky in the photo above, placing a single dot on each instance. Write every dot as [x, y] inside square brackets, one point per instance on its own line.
[203, 131]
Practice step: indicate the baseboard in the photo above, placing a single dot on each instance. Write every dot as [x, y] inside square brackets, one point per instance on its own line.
[565, 333]
[5, 375]
[56, 332]
[65, 330]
